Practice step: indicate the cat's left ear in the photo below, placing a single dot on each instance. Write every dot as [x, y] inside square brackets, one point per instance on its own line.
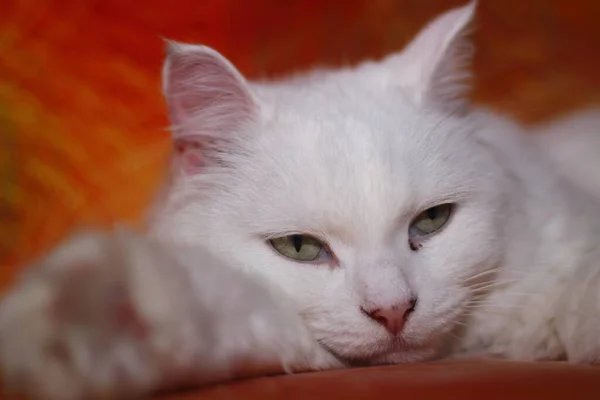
[435, 66]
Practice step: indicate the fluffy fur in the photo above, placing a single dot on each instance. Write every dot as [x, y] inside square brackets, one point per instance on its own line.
[351, 157]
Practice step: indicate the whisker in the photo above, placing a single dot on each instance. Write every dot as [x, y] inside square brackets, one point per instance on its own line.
[461, 323]
[488, 306]
[517, 275]
[488, 285]
[491, 306]
[480, 274]
[495, 281]
[482, 305]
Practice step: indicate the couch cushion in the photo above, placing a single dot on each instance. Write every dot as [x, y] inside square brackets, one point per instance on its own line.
[458, 379]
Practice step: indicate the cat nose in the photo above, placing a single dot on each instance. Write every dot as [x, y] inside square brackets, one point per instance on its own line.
[392, 318]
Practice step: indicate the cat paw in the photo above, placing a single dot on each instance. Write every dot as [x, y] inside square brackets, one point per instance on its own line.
[115, 315]
[74, 326]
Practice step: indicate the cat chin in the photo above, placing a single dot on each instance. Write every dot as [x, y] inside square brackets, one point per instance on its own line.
[405, 356]
[398, 353]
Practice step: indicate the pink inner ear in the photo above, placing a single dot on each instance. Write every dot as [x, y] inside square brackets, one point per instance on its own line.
[193, 89]
[189, 156]
[208, 100]
[206, 94]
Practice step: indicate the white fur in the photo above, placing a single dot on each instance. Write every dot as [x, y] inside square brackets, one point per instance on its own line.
[350, 156]
[192, 321]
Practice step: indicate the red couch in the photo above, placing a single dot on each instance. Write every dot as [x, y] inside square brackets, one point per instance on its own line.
[465, 380]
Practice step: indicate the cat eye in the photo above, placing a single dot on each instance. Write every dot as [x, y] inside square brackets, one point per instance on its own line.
[299, 247]
[430, 220]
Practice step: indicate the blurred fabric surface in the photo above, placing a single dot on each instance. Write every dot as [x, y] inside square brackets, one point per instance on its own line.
[83, 137]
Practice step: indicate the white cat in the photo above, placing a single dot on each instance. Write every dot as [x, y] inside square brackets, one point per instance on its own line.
[345, 217]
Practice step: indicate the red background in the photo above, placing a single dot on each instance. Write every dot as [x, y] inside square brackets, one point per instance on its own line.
[82, 138]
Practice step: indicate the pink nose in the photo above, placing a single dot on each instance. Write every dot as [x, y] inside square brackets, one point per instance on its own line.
[392, 318]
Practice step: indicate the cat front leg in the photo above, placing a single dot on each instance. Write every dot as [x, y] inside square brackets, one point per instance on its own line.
[116, 315]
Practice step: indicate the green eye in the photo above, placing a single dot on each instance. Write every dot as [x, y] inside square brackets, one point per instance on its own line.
[431, 220]
[298, 247]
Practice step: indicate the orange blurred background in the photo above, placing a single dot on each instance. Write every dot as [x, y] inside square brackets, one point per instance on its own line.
[82, 120]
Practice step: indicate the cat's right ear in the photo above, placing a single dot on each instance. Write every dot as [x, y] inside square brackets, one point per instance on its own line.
[208, 102]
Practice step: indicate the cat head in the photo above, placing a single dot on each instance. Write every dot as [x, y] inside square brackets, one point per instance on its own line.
[363, 193]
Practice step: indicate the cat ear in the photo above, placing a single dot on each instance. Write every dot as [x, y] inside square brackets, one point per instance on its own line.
[435, 66]
[208, 101]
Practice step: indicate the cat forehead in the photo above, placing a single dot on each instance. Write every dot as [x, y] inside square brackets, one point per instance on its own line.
[331, 95]
[334, 109]
[332, 122]
[328, 167]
